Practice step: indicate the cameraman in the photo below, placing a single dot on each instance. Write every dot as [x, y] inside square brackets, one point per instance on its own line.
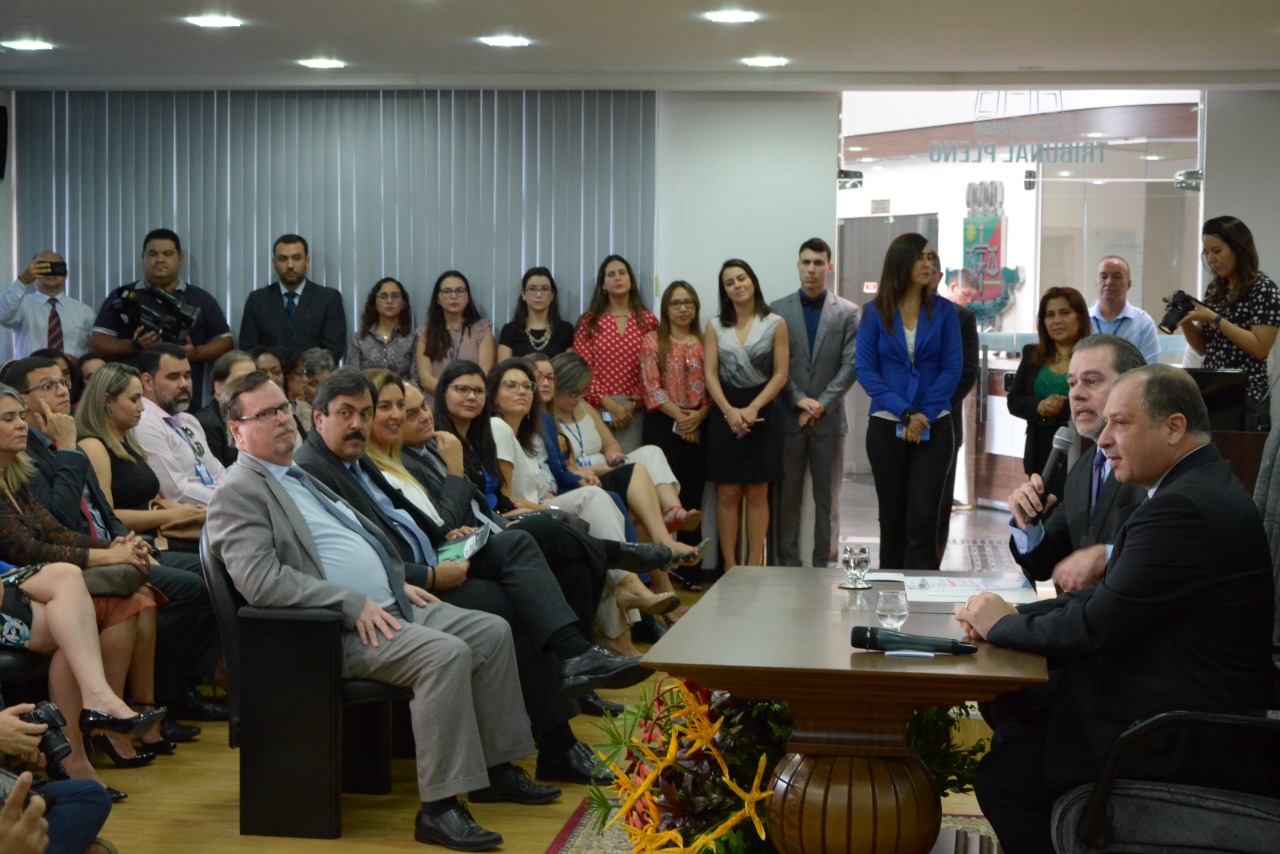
[1236, 325]
[80, 808]
[162, 267]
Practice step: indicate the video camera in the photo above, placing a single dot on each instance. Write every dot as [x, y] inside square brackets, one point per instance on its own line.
[155, 310]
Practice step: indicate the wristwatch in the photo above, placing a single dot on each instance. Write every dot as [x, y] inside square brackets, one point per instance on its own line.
[1217, 322]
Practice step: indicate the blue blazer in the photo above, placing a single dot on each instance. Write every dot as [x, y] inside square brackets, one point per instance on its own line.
[892, 379]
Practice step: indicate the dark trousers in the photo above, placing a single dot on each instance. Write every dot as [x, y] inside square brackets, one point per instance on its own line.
[1011, 788]
[576, 560]
[909, 480]
[187, 644]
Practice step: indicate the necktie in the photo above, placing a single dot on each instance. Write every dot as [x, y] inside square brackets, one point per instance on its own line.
[1099, 477]
[401, 518]
[55, 325]
[290, 304]
[397, 590]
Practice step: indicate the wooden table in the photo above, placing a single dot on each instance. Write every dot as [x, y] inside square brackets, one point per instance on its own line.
[850, 782]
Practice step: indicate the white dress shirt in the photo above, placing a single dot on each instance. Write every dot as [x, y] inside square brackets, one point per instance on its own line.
[175, 445]
[26, 311]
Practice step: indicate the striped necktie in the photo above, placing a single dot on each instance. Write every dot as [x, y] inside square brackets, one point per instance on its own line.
[55, 325]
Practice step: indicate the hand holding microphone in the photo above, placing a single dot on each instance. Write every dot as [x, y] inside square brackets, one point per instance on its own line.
[1063, 441]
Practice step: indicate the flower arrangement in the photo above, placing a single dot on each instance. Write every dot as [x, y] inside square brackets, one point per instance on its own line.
[689, 763]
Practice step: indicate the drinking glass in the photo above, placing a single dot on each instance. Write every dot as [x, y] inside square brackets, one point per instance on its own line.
[891, 609]
[855, 561]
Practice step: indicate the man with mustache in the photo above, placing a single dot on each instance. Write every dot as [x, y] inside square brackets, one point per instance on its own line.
[1071, 545]
[173, 439]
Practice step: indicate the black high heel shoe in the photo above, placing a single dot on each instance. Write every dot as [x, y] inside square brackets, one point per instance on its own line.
[94, 743]
[56, 772]
[132, 726]
[165, 744]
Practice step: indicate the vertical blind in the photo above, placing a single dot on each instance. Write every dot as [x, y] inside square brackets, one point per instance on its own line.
[381, 183]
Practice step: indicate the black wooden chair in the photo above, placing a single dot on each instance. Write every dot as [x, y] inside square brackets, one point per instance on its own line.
[305, 734]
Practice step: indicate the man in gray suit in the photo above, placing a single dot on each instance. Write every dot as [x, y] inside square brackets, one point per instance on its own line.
[823, 328]
[288, 542]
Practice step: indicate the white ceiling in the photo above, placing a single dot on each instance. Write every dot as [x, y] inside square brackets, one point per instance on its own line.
[645, 44]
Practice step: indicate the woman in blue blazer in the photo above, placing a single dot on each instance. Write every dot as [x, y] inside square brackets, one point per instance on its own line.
[909, 359]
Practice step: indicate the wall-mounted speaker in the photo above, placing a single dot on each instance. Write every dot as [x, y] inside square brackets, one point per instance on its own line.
[4, 139]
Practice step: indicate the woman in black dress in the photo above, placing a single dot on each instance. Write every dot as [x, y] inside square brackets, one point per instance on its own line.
[536, 326]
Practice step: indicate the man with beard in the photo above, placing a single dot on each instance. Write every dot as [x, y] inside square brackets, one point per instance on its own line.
[294, 311]
[172, 438]
[1072, 544]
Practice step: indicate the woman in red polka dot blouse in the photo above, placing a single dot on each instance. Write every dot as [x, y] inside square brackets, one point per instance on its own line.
[608, 337]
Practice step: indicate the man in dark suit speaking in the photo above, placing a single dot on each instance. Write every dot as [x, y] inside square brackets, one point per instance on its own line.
[294, 311]
[1182, 619]
[1071, 546]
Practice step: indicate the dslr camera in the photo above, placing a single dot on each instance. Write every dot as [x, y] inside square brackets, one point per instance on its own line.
[53, 744]
[1180, 305]
[155, 310]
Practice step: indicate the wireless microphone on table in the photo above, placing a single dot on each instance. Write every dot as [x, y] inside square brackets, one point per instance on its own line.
[887, 640]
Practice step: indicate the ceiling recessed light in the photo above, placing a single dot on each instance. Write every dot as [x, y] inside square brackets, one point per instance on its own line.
[322, 63]
[866, 159]
[1152, 157]
[214, 21]
[1097, 183]
[27, 44]
[765, 61]
[1095, 135]
[732, 16]
[1065, 173]
[506, 41]
[856, 148]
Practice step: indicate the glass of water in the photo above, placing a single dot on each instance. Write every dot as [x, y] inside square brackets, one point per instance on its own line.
[891, 609]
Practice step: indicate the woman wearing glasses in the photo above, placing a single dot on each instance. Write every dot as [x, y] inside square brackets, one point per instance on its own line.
[386, 338]
[536, 326]
[455, 332]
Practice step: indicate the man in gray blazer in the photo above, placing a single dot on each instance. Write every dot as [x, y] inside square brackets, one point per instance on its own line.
[288, 542]
[294, 311]
[823, 328]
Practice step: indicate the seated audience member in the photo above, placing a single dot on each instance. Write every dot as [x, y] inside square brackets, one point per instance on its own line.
[231, 364]
[1182, 619]
[507, 577]
[173, 440]
[36, 306]
[468, 724]
[46, 608]
[66, 484]
[1070, 544]
[536, 326]
[317, 363]
[294, 311]
[81, 373]
[210, 337]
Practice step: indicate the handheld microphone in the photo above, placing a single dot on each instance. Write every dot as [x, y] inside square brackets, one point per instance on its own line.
[887, 640]
[1063, 441]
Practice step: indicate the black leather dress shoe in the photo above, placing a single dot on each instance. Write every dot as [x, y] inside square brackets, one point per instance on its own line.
[575, 765]
[642, 557]
[597, 707]
[455, 829]
[171, 730]
[196, 708]
[511, 784]
[600, 668]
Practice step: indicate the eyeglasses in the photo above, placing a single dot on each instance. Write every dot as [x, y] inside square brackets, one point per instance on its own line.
[682, 303]
[48, 386]
[468, 390]
[536, 289]
[390, 296]
[193, 441]
[516, 385]
[453, 292]
[288, 407]
[574, 394]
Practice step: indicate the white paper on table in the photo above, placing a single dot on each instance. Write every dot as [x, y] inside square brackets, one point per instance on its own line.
[959, 588]
[885, 576]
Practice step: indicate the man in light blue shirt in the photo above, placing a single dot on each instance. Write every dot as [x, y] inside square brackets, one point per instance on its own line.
[1113, 314]
[41, 314]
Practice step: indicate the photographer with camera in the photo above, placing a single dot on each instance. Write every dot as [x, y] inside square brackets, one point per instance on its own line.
[37, 307]
[1236, 324]
[159, 308]
[60, 816]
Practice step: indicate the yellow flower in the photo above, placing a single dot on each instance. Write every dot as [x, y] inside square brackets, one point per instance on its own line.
[648, 781]
[751, 798]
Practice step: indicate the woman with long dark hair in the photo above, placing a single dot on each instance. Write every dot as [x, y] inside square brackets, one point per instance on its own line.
[909, 360]
[386, 338]
[536, 326]
[455, 332]
[1236, 325]
[608, 338]
[1039, 393]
